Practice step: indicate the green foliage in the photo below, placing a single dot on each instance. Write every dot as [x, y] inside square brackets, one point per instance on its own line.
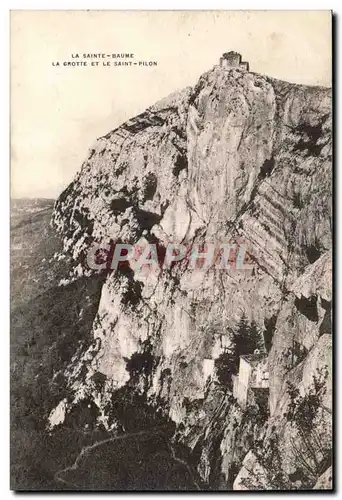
[192, 405]
[83, 415]
[141, 364]
[129, 408]
[306, 416]
[303, 410]
[131, 295]
[259, 410]
[295, 354]
[310, 443]
[49, 323]
[215, 457]
[246, 339]
[233, 472]
[99, 380]
[272, 476]
[132, 411]
[226, 365]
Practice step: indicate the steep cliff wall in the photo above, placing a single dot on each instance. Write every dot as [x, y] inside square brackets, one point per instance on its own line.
[239, 156]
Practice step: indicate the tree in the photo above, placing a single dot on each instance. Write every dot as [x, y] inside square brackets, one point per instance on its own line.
[226, 365]
[310, 443]
[247, 338]
[306, 415]
[141, 364]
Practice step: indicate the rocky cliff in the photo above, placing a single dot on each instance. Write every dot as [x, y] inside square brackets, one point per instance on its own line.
[240, 156]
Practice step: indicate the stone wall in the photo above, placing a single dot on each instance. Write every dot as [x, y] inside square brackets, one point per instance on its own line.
[233, 60]
[253, 374]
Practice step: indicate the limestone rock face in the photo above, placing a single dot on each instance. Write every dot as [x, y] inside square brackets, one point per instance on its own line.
[250, 465]
[325, 481]
[238, 157]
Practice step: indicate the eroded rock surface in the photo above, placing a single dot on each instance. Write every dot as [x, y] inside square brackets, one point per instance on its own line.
[238, 156]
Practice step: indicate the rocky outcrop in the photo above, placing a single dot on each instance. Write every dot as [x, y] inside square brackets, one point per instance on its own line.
[238, 157]
[325, 481]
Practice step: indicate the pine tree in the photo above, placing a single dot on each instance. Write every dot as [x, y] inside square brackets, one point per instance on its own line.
[247, 337]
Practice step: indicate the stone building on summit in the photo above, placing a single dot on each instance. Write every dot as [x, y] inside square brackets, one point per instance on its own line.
[233, 60]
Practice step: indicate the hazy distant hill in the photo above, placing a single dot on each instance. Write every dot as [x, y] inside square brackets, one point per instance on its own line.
[29, 205]
[238, 157]
[45, 332]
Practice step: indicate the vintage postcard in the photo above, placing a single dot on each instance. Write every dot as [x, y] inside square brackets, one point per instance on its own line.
[171, 250]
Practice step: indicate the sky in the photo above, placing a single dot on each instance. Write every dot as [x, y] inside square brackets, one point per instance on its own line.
[57, 112]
